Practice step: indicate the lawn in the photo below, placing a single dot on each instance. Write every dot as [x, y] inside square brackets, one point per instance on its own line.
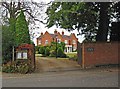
[38, 55]
[70, 55]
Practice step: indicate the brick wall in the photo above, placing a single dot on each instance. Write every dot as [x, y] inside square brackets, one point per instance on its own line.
[45, 37]
[30, 52]
[99, 54]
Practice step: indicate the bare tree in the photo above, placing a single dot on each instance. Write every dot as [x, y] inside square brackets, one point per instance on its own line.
[33, 10]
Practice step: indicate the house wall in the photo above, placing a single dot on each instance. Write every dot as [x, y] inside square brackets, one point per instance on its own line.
[45, 37]
[48, 37]
[60, 37]
[73, 37]
[99, 54]
[38, 41]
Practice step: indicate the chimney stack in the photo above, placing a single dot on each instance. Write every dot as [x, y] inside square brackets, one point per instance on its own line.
[62, 32]
[41, 33]
[55, 32]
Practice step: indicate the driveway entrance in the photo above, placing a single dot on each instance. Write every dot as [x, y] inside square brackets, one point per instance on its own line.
[44, 64]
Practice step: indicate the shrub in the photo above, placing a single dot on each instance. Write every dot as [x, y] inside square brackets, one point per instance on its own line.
[17, 67]
[41, 50]
[47, 51]
[8, 68]
[60, 53]
[7, 43]
[62, 45]
[52, 53]
[75, 58]
[23, 68]
[64, 55]
[36, 48]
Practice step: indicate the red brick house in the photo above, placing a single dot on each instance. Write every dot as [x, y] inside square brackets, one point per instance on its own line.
[47, 38]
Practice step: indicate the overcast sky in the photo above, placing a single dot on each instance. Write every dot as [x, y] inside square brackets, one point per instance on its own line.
[43, 29]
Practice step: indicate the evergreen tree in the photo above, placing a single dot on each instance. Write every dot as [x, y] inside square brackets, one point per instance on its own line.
[60, 53]
[12, 22]
[7, 43]
[22, 32]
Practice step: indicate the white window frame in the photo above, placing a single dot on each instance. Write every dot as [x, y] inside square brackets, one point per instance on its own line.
[59, 40]
[46, 41]
[66, 41]
[39, 42]
[22, 55]
[25, 55]
[19, 55]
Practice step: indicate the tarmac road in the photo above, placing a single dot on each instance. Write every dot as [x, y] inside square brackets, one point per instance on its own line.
[79, 78]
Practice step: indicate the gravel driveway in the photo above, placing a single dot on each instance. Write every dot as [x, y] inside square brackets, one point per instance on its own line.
[52, 64]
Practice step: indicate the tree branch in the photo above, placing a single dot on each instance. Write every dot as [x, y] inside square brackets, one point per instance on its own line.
[6, 5]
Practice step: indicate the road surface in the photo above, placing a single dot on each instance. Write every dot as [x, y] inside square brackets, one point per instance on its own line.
[79, 78]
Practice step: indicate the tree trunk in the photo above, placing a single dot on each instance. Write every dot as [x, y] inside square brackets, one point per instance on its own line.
[103, 22]
[13, 54]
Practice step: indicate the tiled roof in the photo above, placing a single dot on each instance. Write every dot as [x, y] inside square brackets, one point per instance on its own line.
[39, 37]
[64, 36]
[52, 35]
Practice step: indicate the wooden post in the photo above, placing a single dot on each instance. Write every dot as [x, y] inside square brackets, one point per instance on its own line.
[56, 47]
[83, 60]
